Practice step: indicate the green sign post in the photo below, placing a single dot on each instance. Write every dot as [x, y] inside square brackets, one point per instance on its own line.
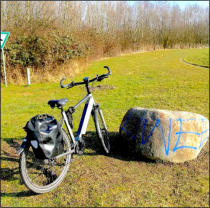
[4, 37]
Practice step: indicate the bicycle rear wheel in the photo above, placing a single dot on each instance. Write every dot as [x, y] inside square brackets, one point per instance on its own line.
[41, 176]
[101, 129]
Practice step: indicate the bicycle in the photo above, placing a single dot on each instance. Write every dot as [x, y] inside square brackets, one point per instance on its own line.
[41, 176]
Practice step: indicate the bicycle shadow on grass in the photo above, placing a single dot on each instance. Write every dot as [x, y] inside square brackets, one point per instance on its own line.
[11, 172]
[8, 155]
[18, 194]
[119, 148]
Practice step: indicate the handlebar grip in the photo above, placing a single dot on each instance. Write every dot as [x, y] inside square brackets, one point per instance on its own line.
[61, 83]
[109, 71]
[67, 85]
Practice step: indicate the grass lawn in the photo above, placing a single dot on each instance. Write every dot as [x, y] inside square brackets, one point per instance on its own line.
[201, 59]
[156, 79]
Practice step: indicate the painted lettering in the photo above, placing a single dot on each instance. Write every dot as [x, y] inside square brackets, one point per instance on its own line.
[144, 139]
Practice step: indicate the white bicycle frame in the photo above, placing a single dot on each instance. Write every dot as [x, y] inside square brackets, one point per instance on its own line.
[84, 119]
[88, 109]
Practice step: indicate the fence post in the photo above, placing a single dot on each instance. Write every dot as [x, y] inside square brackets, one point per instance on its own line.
[5, 74]
[28, 77]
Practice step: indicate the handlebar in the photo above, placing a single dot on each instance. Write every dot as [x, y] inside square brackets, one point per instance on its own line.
[86, 80]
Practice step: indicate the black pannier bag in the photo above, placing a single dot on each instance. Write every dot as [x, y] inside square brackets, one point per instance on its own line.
[45, 135]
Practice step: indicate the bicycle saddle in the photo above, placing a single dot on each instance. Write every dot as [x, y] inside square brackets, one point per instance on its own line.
[57, 103]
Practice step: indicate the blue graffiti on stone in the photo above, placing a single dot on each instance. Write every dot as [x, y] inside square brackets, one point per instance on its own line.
[158, 124]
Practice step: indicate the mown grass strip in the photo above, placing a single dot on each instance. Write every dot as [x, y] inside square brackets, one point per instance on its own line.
[201, 58]
[195, 64]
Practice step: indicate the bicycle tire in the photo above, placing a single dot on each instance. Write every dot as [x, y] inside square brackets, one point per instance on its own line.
[36, 188]
[101, 129]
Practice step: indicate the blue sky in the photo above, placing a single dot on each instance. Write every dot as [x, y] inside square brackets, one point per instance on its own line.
[182, 4]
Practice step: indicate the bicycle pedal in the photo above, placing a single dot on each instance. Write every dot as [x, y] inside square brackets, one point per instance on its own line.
[80, 152]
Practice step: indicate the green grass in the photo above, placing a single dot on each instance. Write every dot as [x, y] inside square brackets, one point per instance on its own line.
[156, 79]
[199, 58]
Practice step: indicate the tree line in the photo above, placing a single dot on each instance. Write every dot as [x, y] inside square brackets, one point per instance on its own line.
[53, 32]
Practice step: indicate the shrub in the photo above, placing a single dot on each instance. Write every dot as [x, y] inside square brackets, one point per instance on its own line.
[41, 51]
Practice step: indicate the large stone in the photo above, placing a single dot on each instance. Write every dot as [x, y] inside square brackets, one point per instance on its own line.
[174, 136]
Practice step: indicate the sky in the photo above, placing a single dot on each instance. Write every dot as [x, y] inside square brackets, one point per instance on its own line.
[182, 4]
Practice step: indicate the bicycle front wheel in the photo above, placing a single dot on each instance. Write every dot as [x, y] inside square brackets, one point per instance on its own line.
[41, 176]
[101, 129]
